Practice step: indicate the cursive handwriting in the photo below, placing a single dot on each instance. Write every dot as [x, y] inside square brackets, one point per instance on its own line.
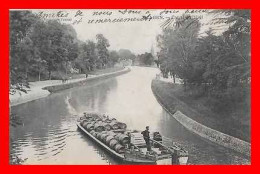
[126, 11]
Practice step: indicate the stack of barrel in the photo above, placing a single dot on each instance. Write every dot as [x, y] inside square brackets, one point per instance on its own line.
[101, 128]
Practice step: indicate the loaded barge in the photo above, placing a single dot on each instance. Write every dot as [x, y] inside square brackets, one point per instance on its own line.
[128, 146]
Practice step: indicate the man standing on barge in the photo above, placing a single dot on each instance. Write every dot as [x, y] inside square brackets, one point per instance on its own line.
[146, 135]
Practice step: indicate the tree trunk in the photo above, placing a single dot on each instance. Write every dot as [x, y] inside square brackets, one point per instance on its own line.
[26, 74]
[173, 79]
[49, 74]
[39, 76]
[185, 85]
[66, 64]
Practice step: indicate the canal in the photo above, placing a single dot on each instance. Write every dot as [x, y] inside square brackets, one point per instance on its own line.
[48, 134]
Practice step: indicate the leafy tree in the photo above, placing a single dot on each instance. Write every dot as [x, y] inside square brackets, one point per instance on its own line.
[21, 46]
[114, 57]
[55, 43]
[69, 45]
[126, 54]
[92, 55]
[87, 56]
[229, 72]
[102, 51]
[220, 64]
[146, 59]
[177, 48]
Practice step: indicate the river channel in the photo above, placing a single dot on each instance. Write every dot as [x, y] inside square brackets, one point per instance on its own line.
[48, 133]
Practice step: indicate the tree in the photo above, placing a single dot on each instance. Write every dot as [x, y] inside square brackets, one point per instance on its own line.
[229, 70]
[87, 56]
[56, 44]
[218, 64]
[21, 45]
[177, 46]
[145, 59]
[69, 45]
[103, 54]
[126, 54]
[114, 57]
[92, 55]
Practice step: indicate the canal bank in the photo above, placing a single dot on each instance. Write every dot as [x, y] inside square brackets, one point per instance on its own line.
[206, 132]
[47, 133]
[44, 88]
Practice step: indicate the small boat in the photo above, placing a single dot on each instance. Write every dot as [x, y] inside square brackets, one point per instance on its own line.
[128, 146]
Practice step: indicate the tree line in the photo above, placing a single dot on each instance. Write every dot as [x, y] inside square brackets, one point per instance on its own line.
[217, 66]
[40, 47]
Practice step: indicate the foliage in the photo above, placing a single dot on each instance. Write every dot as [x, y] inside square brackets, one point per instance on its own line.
[145, 59]
[114, 57]
[102, 51]
[21, 51]
[44, 46]
[220, 65]
[126, 54]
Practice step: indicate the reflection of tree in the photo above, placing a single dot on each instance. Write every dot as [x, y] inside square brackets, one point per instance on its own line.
[39, 119]
[93, 96]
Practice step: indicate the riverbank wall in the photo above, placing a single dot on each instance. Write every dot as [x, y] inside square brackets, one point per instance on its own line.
[57, 88]
[46, 88]
[204, 131]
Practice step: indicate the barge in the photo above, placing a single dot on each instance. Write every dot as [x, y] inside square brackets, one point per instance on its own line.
[129, 146]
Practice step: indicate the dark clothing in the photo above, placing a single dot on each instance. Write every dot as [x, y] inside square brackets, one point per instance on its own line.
[146, 135]
[148, 145]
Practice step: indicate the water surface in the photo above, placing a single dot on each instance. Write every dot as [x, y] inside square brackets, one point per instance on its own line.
[48, 133]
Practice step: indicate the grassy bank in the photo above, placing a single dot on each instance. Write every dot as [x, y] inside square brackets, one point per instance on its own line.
[175, 98]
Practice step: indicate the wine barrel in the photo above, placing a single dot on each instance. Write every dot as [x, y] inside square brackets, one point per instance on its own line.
[92, 132]
[114, 125]
[112, 143]
[109, 138]
[157, 136]
[84, 124]
[95, 134]
[121, 125]
[107, 126]
[99, 135]
[95, 115]
[98, 127]
[117, 135]
[89, 127]
[112, 133]
[106, 120]
[99, 121]
[119, 148]
[90, 119]
[104, 136]
[82, 118]
[122, 138]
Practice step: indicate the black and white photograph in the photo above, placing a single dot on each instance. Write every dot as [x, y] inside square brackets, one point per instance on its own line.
[130, 87]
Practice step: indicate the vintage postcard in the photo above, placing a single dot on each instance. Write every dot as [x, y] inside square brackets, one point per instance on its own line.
[130, 86]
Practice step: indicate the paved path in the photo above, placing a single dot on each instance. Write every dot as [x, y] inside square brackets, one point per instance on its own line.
[36, 91]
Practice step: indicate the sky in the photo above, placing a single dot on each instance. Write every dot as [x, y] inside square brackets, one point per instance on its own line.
[137, 36]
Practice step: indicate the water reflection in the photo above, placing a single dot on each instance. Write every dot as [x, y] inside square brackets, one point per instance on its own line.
[49, 135]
